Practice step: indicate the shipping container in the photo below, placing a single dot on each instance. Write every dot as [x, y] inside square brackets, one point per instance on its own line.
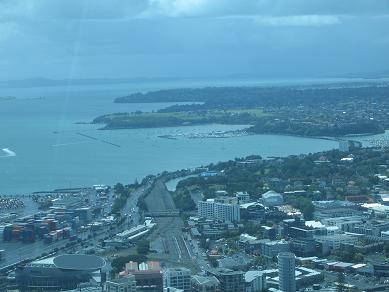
[2, 255]
[53, 235]
[48, 239]
[7, 233]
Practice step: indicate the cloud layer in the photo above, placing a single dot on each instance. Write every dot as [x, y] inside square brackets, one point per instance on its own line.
[152, 38]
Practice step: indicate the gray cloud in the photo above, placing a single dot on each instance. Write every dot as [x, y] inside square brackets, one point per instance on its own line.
[116, 38]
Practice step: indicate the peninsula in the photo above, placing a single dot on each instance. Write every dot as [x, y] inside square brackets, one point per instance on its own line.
[317, 110]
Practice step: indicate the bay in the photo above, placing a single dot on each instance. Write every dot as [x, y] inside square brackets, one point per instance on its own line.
[43, 147]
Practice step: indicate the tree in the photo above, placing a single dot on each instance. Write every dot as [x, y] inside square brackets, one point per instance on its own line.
[118, 188]
[386, 249]
[143, 247]
[119, 262]
[341, 283]
[308, 210]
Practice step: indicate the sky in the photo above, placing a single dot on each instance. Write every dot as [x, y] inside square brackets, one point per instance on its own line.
[62, 39]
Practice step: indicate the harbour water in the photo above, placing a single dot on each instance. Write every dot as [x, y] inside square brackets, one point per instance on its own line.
[43, 146]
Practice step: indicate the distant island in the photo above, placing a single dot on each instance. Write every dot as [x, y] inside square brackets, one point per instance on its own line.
[7, 98]
[317, 110]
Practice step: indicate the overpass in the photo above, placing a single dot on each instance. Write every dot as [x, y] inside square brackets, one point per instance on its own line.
[172, 213]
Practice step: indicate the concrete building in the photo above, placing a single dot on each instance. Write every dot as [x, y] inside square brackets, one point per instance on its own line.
[172, 289]
[205, 284]
[125, 284]
[333, 242]
[377, 209]
[206, 209]
[179, 278]
[227, 212]
[211, 209]
[272, 198]
[303, 247]
[270, 249]
[334, 208]
[148, 276]
[381, 269]
[346, 224]
[230, 281]
[304, 277]
[286, 272]
[243, 197]
[255, 281]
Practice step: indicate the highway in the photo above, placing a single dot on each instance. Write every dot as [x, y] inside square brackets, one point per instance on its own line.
[16, 252]
[174, 245]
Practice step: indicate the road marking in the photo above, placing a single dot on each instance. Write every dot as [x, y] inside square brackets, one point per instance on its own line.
[186, 246]
[178, 247]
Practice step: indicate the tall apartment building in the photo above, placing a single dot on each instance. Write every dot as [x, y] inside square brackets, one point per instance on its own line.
[286, 272]
[218, 211]
[206, 209]
[179, 278]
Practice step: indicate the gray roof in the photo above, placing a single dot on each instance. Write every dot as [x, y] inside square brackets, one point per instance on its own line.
[79, 262]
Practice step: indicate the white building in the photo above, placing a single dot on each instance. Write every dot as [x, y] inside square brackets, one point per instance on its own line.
[243, 197]
[206, 209]
[272, 198]
[179, 278]
[385, 234]
[346, 223]
[287, 272]
[218, 211]
[125, 284]
[377, 209]
[333, 242]
[227, 212]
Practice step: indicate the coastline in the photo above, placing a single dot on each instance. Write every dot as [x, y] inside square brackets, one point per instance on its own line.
[242, 132]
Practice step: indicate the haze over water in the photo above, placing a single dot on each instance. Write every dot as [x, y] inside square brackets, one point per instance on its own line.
[51, 153]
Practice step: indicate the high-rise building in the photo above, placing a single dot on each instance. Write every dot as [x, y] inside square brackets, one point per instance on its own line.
[227, 212]
[205, 284]
[205, 209]
[210, 209]
[178, 278]
[125, 284]
[286, 272]
[230, 281]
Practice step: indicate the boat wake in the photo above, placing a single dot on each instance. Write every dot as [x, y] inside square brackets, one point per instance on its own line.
[7, 153]
[68, 144]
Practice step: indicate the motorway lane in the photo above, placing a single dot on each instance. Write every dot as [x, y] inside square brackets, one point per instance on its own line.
[17, 251]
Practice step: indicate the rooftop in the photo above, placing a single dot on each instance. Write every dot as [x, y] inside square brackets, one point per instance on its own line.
[79, 262]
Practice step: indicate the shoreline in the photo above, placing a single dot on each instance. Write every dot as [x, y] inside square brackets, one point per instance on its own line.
[239, 132]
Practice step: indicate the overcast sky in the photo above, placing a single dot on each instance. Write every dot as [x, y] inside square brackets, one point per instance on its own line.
[192, 38]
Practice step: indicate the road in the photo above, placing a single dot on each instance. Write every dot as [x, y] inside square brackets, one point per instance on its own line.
[168, 238]
[16, 252]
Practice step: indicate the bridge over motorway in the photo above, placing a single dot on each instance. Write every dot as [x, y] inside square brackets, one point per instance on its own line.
[163, 214]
